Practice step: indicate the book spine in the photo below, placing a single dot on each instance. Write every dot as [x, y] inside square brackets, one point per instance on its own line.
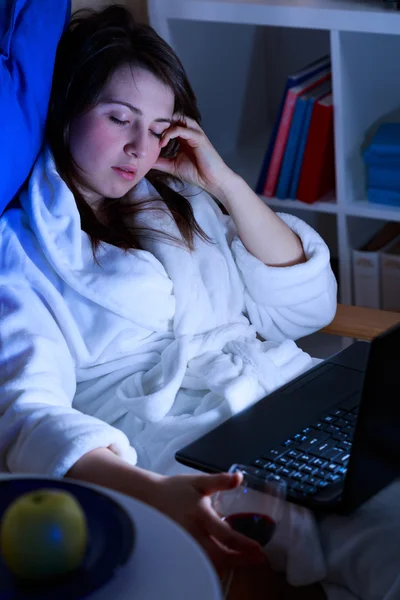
[300, 154]
[279, 149]
[316, 155]
[285, 175]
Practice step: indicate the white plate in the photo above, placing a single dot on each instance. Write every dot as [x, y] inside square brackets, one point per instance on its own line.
[166, 564]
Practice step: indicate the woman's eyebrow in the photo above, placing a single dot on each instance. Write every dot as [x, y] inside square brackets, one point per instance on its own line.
[135, 110]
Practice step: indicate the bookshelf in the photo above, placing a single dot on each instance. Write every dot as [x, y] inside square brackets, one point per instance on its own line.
[238, 54]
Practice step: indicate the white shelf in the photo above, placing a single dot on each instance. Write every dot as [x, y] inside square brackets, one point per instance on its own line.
[239, 74]
[373, 211]
[355, 15]
[327, 205]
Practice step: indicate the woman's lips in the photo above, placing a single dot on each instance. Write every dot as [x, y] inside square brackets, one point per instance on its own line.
[128, 175]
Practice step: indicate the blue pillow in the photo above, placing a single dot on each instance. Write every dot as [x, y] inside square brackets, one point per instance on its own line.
[29, 33]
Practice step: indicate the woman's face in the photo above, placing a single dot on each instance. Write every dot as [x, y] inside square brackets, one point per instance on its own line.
[116, 143]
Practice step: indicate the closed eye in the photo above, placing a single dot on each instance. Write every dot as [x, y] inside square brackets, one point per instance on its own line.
[157, 135]
[118, 122]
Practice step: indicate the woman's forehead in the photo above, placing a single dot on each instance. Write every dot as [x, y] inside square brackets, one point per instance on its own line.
[141, 89]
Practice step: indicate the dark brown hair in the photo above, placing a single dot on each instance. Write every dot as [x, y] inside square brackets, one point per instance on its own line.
[93, 46]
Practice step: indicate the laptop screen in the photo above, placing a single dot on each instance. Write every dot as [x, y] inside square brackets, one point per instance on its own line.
[375, 459]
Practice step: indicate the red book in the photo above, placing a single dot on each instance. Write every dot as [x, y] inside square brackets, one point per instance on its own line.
[284, 128]
[317, 176]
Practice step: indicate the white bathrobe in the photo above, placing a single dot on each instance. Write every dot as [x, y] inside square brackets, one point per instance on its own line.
[149, 349]
[152, 348]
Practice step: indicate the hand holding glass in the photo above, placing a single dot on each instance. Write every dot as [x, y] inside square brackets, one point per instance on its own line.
[255, 507]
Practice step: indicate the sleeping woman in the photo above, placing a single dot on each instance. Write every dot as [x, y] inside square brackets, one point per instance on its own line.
[132, 307]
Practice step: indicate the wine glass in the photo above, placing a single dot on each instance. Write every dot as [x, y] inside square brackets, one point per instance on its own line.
[254, 508]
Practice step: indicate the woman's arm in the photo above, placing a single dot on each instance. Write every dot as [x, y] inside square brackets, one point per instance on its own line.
[184, 498]
[263, 233]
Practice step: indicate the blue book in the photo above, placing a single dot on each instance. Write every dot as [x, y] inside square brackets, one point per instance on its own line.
[292, 144]
[298, 160]
[389, 197]
[384, 178]
[293, 80]
[384, 148]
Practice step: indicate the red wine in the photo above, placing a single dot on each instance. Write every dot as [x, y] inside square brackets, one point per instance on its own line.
[257, 527]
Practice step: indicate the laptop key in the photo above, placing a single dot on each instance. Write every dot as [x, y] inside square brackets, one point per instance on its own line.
[322, 484]
[309, 470]
[297, 476]
[312, 441]
[260, 463]
[349, 429]
[344, 459]
[319, 462]
[333, 467]
[293, 453]
[341, 423]
[342, 436]
[345, 446]
[295, 465]
[320, 449]
[305, 458]
[328, 419]
[311, 480]
[273, 468]
[274, 453]
[342, 471]
[333, 453]
[318, 426]
[284, 472]
[321, 474]
[331, 429]
[333, 477]
[339, 412]
[283, 460]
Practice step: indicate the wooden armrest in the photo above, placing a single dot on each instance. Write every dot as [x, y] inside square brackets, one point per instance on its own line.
[361, 323]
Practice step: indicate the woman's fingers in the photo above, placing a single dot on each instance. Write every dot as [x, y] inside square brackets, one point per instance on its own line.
[227, 536]
[209, 484]
[187, 122]
[223, 558]
[191, 136]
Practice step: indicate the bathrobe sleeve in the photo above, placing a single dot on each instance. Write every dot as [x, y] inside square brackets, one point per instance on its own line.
[288, 302]
[40, 432]
[281, 302]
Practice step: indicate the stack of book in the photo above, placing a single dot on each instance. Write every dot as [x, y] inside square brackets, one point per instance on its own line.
[382, 159]
[299, 163]
[376, 270]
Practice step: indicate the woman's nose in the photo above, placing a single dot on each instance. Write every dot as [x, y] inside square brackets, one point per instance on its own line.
[137, 146]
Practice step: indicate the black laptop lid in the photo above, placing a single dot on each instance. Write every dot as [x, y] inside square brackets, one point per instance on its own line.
[375, 457]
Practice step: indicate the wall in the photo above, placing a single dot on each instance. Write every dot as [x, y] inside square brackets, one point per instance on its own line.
[138, 6]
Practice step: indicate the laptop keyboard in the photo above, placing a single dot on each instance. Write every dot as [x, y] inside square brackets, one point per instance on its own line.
[316, 456]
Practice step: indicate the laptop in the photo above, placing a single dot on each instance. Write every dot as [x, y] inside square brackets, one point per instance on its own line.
[332, 433]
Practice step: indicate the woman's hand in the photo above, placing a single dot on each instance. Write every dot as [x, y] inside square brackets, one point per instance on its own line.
[186, 499]
[197, 161]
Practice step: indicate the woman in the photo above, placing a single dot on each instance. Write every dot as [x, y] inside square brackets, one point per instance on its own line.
[130, 304]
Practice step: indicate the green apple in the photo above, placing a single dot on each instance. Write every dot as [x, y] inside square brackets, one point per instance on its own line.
[43, 534]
